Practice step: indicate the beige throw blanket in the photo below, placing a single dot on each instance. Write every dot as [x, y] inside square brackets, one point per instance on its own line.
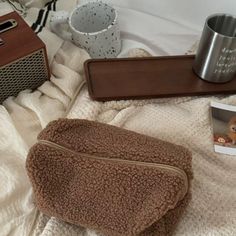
[184, 121]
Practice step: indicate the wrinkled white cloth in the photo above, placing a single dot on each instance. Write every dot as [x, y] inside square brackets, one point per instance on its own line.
[21, 119]
[184, 121]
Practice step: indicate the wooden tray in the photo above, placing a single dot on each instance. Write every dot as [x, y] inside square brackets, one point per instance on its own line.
[138, 78]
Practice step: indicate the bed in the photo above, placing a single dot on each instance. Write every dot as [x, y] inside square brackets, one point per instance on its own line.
[146, 29]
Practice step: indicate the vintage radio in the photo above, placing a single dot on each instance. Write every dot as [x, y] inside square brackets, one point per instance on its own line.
[23, 57]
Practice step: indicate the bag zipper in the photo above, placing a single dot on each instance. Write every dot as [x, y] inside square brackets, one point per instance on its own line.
[164, 167]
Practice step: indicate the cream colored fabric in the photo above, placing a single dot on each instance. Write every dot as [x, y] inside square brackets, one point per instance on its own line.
[185, 121]
[21, 119]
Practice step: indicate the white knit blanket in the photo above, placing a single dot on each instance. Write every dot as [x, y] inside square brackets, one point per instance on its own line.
[185, 121]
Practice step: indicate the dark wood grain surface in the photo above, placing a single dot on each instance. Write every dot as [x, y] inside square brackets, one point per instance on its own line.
[138, 78]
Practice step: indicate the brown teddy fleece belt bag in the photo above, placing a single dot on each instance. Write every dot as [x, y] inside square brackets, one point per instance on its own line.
[115, 181]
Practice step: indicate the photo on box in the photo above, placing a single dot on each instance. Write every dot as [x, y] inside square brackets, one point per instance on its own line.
[224, 128]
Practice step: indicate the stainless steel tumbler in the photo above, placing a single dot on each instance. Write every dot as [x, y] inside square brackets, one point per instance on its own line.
[216, 56]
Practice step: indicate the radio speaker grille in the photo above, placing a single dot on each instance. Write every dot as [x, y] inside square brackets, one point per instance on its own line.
[25, 73]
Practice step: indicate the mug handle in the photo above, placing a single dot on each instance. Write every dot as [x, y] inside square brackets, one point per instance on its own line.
[57, 19]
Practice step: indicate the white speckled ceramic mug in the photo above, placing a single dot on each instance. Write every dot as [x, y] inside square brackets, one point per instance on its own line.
[93, 26]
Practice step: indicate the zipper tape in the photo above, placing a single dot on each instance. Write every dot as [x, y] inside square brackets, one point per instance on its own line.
[164, 167]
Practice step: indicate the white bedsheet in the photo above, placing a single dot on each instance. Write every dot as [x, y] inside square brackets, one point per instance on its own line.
[180, 120]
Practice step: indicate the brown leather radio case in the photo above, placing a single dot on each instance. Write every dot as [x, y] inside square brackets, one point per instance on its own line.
[23, 57]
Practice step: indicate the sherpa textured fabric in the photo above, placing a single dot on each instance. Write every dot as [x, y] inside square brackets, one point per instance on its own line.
[112, 180]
